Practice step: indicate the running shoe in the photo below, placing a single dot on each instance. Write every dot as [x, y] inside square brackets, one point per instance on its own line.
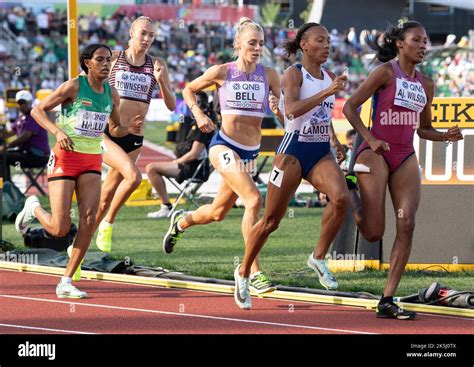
[27, 215]
[326, 278]
[173, 234]
[391, 310]
[104, 237]
[162, 213]
[259, 283]
[351, 180]
[241, 291]
[67, 290]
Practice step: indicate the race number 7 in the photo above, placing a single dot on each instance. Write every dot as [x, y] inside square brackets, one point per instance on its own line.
[276, 176]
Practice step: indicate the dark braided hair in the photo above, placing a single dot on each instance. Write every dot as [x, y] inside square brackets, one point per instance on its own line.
[292, 47]
[388, 49]
[88, 53]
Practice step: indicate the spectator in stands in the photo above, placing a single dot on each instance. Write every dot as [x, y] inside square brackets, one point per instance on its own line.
[42, 22]
[44, 31]
[190, 153]
[30, 148]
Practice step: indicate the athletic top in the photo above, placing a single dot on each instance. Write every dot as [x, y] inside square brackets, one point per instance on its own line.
[38, 143]
[85, 119]
[396, 109]
[240, 95]
[135, 83]
[314, 125]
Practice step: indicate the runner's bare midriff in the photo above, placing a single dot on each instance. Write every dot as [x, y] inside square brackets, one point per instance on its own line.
[245, 130]
[129, 109]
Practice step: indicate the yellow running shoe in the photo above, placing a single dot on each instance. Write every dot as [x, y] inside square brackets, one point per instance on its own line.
[104, 237]
[77, 275]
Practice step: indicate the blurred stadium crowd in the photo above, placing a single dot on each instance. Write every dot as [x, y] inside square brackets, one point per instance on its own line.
[189, 49]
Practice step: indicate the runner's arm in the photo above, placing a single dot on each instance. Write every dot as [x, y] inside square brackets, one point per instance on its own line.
[377, 79]
[275, 88]
[162, 77]
[115, 127]
[426, 130]
[65, 92]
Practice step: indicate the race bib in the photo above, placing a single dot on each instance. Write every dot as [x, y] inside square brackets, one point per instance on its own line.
[316, 129]
[90, 124]
[276, 176]
[410, 95]
[245, 95]
[226, 158]
[132, 85]
[51, 162]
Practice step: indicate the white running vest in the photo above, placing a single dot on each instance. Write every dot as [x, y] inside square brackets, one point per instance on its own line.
[314, 125]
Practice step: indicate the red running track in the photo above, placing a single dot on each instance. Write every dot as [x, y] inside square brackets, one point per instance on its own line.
[28, 304]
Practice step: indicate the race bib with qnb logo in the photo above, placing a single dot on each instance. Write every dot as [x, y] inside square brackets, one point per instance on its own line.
[132, 85]
[410, 95]
[90, 124]
[316, 129]
[245, 95]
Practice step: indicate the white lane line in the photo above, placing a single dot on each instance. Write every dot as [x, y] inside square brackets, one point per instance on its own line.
[162, 287]
[189, 315]
[44, 329]
[227, 294]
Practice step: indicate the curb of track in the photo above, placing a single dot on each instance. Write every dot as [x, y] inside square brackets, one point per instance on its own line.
[227, 289]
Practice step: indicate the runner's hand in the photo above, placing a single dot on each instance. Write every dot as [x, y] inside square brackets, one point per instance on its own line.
[273, 102]
[204, 123]
[338, 84]
[453, 134]
[379, 146]
[340, 152]
[64, 141]
[158, 71]
[136, 125]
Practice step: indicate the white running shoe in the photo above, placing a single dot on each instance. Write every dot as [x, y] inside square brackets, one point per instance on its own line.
[27, 215]
[326, 278]
[241, 291]
[162, 213]
[67, 290]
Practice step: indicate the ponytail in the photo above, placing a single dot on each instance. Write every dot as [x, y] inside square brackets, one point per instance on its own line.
[292, 47]
[388, 50]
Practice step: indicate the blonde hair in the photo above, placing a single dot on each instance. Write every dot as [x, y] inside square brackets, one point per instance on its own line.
[245, 25]
[142, 19]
